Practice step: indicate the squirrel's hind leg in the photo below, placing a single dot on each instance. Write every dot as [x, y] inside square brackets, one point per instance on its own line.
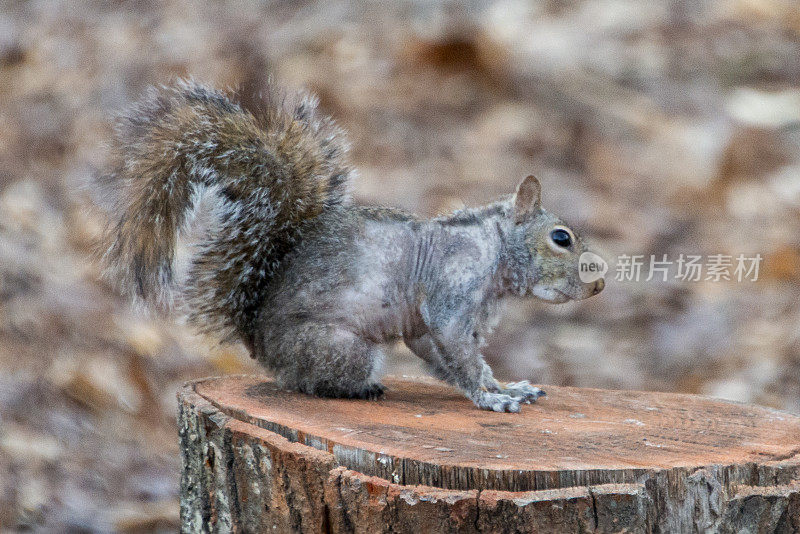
[327, 361]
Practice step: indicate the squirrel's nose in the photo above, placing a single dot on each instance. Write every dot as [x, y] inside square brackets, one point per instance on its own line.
[598, 286]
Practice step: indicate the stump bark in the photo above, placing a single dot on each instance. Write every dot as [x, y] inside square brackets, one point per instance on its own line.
[423, 459]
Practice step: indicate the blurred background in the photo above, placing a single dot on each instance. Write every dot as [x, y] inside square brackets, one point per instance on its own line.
[655, 127]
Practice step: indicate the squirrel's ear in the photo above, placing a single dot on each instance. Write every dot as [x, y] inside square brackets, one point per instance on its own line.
[528, 199]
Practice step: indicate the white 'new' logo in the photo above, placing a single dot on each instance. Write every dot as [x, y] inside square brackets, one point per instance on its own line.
[591, 267]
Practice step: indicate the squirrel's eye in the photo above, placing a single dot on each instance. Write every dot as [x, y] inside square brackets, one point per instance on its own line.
[561, 238]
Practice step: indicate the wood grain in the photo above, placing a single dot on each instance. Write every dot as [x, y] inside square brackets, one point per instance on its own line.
[580, 458]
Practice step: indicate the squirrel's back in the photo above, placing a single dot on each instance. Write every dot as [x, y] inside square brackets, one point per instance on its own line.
[274, 170]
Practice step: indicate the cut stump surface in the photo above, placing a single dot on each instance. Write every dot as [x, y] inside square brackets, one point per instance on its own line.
[425, 458]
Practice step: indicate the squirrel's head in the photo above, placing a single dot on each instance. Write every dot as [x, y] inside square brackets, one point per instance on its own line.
[546, 252]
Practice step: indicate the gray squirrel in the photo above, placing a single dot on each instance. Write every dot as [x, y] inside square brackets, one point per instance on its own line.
[311, 283]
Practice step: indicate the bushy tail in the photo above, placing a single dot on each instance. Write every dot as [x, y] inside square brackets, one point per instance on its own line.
[272, 171]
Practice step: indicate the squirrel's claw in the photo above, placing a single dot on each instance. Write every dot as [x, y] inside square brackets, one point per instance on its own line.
[523, 391]
[497, 402]
[371, 392]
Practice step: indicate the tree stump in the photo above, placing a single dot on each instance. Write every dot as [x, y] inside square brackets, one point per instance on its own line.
[424, 459]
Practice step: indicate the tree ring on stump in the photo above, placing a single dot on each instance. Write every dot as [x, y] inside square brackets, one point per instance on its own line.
[642, 459]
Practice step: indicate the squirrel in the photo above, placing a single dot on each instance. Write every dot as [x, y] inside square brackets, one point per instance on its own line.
[312, 283]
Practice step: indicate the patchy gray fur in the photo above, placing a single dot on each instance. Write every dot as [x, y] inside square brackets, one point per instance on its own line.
[363, 279]
[310, 283]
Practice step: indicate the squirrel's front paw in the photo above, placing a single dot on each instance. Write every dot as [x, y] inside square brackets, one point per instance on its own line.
[497, 402]
[522, 391]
